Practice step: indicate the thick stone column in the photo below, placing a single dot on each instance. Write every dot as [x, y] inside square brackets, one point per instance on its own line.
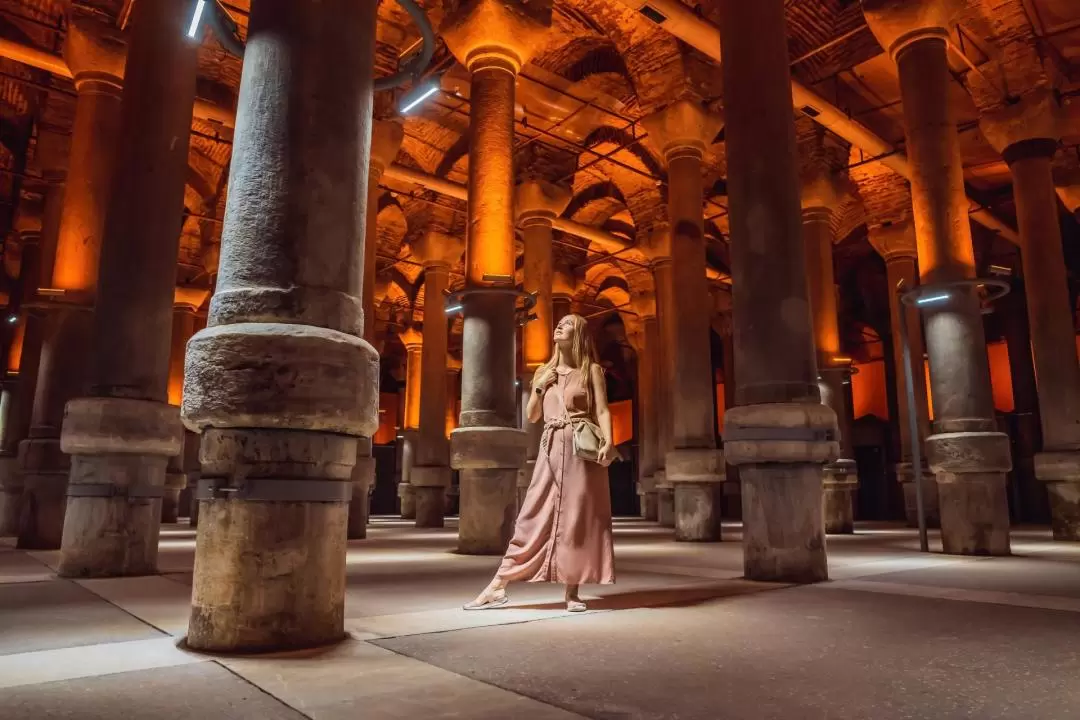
[430, 476]
[896, 245]
[646, 340]
[537, 204]
[822, 193]
[694, 467]
[95, 55]
[386, 138]
[779, 433]
[966, 452]
[1028, 497]
[492, 39]
[277, 465]
[1027, 135]
[187, 302]
[723, 324]
[121, 436]
[658, 248]
[413, 340]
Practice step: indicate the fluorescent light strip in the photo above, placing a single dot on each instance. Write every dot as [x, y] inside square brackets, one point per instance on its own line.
[430, 91]
[196, 19]
[931, 299]
[453, 309]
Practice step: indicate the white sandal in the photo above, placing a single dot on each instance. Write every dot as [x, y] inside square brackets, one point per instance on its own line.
[576, 606]
[500, 598]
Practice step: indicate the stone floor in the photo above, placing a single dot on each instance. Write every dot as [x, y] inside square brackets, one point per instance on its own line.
[895, 634]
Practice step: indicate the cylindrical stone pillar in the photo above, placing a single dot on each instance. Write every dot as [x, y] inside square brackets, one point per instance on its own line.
[896, 245]
[779, 433]
[663, 281]
[646, 341]
[694, 467]
[1027, 134]
[492, 39]
[95, 55]
[966, 452]
[279, 435]
[413, 340]
[386, 139]
[183, 328]
[430, 475]
[121, 437]
[538, 204]
[821, 194]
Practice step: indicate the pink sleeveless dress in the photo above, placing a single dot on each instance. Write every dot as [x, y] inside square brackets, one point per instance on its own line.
[563, 531]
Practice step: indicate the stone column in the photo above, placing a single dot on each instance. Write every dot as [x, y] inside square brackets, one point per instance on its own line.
[821, 194]
[966, 452]
[723, 325]
[694, 467]
[430, 476]
[646, 341]
[1027, 135]
[386, 138]
[95, 55]
[121, 436]
[413, 340]
[896, 245]
[277, 466]
[658, 249]
[537, 204]
[492, 39]
[453, 403]
[779, 434]
[187, 302]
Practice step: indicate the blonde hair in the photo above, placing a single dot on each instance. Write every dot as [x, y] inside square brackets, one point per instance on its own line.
[582, 354]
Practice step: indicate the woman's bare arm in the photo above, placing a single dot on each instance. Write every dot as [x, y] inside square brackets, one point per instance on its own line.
[603, 414]
[534, 410]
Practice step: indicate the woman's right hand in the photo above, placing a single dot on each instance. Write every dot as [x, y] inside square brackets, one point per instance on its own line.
[544, 379]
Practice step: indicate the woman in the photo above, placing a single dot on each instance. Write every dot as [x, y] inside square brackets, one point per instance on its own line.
[563, 532]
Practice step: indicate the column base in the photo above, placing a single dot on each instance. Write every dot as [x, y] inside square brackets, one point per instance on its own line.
[407, 500]
[972, 491]
[488, 504]
[270, 574]
[649, 506]
[120, 449]
[905, 475]
[665, 506]
[45, 471]
[363, 479]
[779, 449]
[429, 490]
[697, 476]
[697, 511]
[488, 459]
[1060, 470]
[839, 482]
[11, 494]
[170, 497]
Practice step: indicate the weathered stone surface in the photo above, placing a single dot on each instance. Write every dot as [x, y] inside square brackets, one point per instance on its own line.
[506, 30]
[104, 426]
[968, 452]
[897, 22]
[487, 448]
[813, 418]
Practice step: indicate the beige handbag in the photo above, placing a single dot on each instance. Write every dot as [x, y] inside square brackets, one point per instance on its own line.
[587, 435]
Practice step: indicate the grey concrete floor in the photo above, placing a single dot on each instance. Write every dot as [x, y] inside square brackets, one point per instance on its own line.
[896, 634]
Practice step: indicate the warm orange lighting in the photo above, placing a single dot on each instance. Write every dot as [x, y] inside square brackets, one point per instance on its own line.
[1000, 377]
[15, 351]
[841, 360]
[413, 375]
[720, 407]
[869, 391]
[388, 417]
[622, 421]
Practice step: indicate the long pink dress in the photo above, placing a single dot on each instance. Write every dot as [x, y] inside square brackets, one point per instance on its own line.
[563, 532]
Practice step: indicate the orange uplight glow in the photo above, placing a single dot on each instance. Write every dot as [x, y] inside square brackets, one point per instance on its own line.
[869, 391]
[720, 407]
[388, 410]
[622, 421]
[14, 361]
[1000, 377]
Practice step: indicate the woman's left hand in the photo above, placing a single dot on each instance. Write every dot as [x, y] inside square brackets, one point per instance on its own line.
[606, 455]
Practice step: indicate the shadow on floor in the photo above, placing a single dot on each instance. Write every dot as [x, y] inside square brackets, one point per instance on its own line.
[669, 597]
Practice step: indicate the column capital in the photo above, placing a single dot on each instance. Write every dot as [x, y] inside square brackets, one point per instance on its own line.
[896, 240]
[898, 23]
[412, 339]
[1070, 195]
[824, 190]
[644, 303]
[1030, 127]
[453, 364]
[436, 249]
[95, 52]
[386, 139]
[685, 127]
[496, 33]
[564, 282]
[540, 202]
[189, 298]
[656, 244]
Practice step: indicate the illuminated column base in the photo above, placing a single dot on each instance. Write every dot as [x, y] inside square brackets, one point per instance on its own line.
[840, 480]
[1061, 473]
[697, 477]
[970, 469]
[665, 500]
[905, 475]
[363, 479]
[488, 459]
